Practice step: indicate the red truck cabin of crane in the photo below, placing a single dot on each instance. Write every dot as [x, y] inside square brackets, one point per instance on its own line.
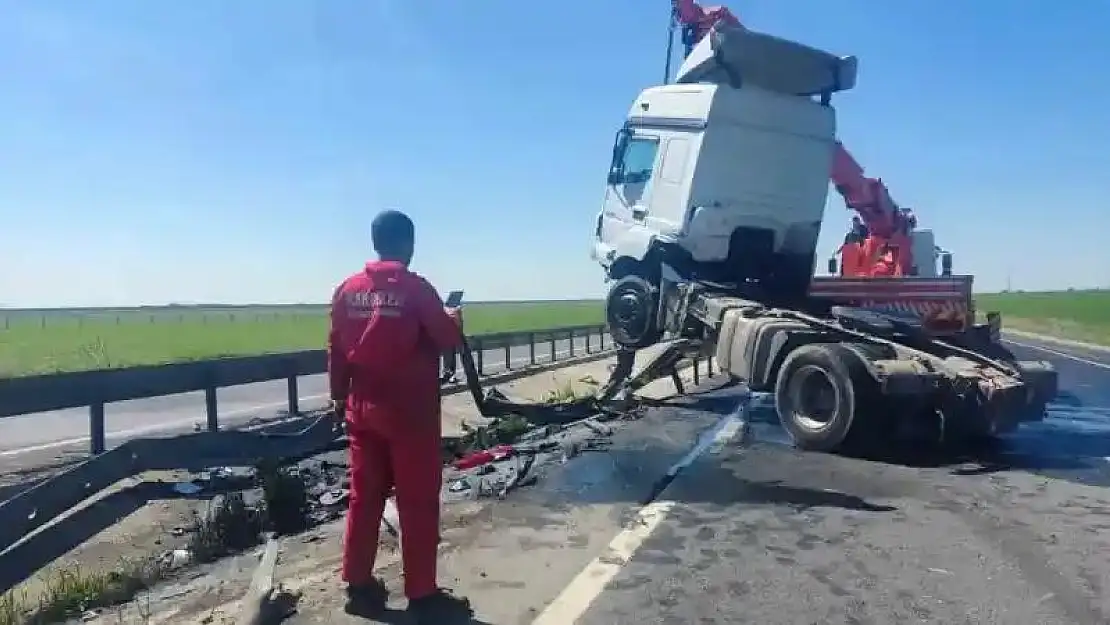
[877, 267]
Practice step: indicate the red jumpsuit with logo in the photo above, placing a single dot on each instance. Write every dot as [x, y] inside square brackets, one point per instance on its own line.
[388, 330]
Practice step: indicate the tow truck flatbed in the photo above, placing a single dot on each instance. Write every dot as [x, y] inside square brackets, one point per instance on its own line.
[942, 305]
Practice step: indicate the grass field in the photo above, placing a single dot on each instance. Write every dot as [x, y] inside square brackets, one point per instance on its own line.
[1078, 315]
[41, 341]
[34, 342]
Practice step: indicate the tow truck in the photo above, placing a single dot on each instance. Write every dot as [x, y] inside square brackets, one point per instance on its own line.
[714, 202]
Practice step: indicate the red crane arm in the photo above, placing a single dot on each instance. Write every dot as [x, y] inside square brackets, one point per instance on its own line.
[690, 13]
[697, 20]
[867, 196]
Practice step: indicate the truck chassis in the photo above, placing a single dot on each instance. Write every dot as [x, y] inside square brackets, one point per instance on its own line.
[846, 377]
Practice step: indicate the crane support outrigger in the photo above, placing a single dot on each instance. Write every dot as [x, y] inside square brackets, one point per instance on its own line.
[708, 232]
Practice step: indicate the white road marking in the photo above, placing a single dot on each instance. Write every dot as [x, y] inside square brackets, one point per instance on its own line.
[185, 423]
[1100, 365]
[588, 585]
[1092, 347]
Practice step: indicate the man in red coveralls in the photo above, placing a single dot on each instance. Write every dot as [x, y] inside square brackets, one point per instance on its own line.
[388, 330]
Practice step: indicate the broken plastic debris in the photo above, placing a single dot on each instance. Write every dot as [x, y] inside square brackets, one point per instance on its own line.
[598, 428]
[485, 456]
[177, 558]
[459, 486]
[334, 497]
[221, 473]
[186, 488]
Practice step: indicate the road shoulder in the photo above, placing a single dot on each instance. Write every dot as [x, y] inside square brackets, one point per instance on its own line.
[313, 559]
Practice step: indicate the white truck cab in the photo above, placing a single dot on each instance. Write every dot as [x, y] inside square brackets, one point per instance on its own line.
[723, 176]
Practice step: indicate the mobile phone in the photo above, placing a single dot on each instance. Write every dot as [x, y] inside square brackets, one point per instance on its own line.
[454, 299]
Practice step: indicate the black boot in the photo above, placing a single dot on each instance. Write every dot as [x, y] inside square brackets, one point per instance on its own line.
[367, 600]
[440, 608]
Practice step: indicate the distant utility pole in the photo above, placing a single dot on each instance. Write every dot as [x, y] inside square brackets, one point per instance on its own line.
[1010, 279]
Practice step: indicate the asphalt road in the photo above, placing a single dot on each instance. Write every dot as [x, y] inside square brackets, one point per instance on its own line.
[739, 527]
[761, 533]
[179, 413]
[699, 512]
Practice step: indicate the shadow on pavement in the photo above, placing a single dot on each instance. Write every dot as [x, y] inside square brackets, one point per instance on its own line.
[20, 479]
[393, 616]
[1073, 440]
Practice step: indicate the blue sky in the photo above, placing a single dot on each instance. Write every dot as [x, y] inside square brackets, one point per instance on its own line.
[155, 152]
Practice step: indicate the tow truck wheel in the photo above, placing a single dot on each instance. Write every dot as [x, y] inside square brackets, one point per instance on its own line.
[631, 310]
[818, 393]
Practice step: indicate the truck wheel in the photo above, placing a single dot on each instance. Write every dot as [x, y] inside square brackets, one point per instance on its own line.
[632, 312]
[818, 393]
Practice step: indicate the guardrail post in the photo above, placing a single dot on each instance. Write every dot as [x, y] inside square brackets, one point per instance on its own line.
[531, 348]
[508, 356]
[697, 369]
[96, 428]
[570, 335]
[588, 334]
[552, 347]
[211, 409]
[294, 396]
[479, 357]
[709, 365]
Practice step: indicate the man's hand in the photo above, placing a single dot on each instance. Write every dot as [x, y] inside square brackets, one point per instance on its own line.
[455, 314]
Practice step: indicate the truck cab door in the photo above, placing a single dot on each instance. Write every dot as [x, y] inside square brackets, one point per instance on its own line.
[633, 191]
[628, 196]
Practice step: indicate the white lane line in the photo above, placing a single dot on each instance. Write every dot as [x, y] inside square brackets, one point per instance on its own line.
[1093, 363]
[588, 585]
[1091, 347]
[185, 423]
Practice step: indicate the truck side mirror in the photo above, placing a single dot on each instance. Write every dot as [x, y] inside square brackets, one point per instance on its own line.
[832, 265]
[946, 264]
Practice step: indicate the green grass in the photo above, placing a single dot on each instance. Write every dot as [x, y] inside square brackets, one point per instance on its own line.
[36, 342]
[1078, 315]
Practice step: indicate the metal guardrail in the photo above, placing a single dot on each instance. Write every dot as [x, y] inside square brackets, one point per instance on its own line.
[95, 389]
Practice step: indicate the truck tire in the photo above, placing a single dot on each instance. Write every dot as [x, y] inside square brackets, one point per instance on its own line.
[820, 392]
[632, 313]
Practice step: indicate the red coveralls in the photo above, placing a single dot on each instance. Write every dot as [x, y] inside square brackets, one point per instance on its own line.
[388, 330]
